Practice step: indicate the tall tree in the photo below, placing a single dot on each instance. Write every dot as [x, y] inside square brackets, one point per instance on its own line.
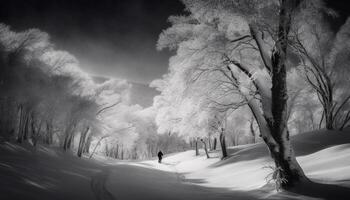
[243, 49]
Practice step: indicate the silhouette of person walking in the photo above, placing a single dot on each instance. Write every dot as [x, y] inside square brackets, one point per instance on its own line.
[160, 155]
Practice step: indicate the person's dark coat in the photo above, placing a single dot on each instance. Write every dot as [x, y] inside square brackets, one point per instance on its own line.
[160, 155]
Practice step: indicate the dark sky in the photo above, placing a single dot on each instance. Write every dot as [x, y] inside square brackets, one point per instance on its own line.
[110, 37]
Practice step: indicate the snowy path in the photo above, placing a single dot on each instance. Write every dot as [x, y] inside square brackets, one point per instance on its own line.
[132, 182]
[98, 185]
[48, 173]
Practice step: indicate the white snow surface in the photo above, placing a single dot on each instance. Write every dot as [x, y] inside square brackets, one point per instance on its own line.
[247, 166]
[49, 173]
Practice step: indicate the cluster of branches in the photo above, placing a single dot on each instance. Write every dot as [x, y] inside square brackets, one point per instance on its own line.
[324, 57]
[44, 96]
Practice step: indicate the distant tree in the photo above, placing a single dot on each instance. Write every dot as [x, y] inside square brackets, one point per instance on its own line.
[217, 124]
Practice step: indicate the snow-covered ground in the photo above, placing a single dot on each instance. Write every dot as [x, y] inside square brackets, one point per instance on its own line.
[50, 173]
[324, 156]
[44, 173]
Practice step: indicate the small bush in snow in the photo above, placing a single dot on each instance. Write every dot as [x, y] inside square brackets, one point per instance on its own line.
[275, 176]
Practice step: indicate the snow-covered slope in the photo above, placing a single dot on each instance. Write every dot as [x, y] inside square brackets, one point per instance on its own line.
[49, 173]
[324, 156]
[44, 173]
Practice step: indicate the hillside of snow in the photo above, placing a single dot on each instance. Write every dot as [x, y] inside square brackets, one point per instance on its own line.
[45, 173]
[323, 155]
[49, 173]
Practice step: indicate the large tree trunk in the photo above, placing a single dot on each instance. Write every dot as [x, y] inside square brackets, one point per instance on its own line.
[284, 156]
[223, 144]
[285, 159]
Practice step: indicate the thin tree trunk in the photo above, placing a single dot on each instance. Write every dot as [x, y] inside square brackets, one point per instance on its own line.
[88, 144]
[26, 127]
[69, 136]
[223, 144]
[236, 138]
[34, 134]
[122, 153]
[196, 145]
[215, 142]
[66, 138]
[107, 151]
[205, 148]
[209, 143]
[23, 126]
[20, 126]
[49, 132]
[82, 141]
[65, 143]
[117, 152]
[97, 144]
[252, 130]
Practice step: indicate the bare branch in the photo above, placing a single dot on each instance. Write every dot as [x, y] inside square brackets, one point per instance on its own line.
[107, 107]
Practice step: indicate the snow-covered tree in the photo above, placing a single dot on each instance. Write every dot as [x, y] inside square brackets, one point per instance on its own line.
[240, 49]
[45, 96]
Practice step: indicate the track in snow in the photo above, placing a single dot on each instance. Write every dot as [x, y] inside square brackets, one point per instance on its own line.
[129, 182]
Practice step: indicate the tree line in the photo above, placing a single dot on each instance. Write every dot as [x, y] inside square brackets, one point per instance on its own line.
[46, 98]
